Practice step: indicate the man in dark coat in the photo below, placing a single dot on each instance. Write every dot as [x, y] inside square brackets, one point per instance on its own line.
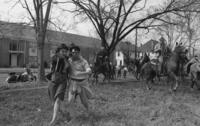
[101, 55]
[58, 79]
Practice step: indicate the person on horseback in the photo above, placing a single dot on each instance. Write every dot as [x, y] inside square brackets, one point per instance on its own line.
[58, 79]
[101, 56]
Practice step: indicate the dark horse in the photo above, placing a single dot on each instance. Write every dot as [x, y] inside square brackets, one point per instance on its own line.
[175, 63]
[172, 64]
[138, 65]
[102, 68]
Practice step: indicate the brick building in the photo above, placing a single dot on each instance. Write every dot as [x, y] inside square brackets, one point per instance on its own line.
[18, 45]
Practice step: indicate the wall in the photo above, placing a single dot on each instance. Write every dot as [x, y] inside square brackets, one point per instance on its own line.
[4, 54]
[29, 58]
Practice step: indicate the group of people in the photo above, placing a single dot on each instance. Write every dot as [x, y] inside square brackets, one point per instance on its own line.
[69, 70]
[121, 70]
[115, 71]
[25, 76]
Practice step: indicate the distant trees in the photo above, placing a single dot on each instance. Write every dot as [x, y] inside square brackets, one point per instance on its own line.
[185, 29]
[118, 18]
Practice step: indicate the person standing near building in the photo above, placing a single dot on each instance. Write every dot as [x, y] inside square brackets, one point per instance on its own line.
[79, 73]
[58, 80]
[125, 71]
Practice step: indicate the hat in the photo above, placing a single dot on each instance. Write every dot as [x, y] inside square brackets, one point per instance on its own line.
[74, 49]
[62, 46]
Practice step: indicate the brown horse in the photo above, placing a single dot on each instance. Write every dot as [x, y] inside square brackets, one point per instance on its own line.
[138, 64]
[174, 65]
[148, 72]
[104, 68]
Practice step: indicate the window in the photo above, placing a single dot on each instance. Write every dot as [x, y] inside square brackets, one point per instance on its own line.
[13, 46]
[16, 46]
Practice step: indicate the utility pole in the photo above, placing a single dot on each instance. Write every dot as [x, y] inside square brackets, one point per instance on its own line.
[136, 43]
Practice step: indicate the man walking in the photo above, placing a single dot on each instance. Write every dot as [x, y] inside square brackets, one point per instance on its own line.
[79, 73]
[58, 79]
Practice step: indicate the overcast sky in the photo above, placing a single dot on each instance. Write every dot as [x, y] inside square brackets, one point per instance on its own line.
[17, 14]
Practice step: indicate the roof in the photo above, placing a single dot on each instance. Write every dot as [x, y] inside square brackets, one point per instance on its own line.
[25, 32]
[126, 45]
[148, 46]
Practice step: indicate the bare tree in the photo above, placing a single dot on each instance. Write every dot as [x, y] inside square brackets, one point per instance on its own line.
[118, 18]
[191, 29]
[39, 13]
[173, 32]
[127, 49]
[185, 30]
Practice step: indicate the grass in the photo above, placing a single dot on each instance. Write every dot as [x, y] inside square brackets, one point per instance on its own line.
[116, 104]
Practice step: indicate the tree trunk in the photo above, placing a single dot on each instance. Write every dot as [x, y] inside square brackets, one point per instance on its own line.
[40, 46]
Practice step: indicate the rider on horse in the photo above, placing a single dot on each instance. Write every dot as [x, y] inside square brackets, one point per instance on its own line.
[102, 56]
[161, 54]
[102, 64]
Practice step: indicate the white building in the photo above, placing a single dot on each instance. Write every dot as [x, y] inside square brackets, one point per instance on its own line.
[119, 56]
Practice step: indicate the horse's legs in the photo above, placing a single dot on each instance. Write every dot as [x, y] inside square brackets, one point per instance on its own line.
[174, 88]
[137, 74]
[106, 77]
[193, 80]
[149, 79]
[96, 78]
[147, 83]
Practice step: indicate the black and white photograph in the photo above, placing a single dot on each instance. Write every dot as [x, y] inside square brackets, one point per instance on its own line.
[99, 62]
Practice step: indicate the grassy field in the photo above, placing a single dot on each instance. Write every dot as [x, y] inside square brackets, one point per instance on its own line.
[116, 104]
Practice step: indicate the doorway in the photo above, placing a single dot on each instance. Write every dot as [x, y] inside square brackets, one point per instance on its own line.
[14, 60]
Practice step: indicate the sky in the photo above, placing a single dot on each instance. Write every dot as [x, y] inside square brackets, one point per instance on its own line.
[11, 13]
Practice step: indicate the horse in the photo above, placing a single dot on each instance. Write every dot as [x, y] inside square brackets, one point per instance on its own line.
[175, 63]
[138, 65]
[134, 68]
[148, 72]
[193, 70]
[105, 68]
[173, 66]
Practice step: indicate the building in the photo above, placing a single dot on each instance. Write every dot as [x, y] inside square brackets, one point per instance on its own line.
[18, 45]
[148, 48]
[119, 57]
[125, 51]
